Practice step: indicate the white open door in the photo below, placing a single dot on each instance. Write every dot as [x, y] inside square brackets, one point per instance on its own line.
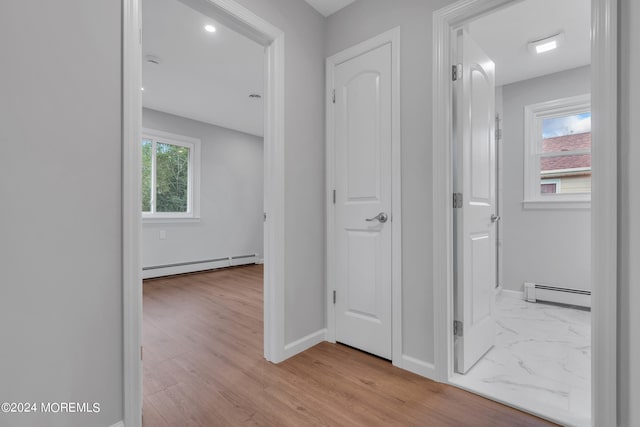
[362, 126]
[474, 219]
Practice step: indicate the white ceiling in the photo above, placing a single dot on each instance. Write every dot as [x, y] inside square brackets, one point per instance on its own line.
[203, 76]
[505, 33]
[329, 7]
[209, 76]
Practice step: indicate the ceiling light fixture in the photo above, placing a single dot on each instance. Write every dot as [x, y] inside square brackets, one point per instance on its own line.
[152, 59]
[546, 44]
[210, 28]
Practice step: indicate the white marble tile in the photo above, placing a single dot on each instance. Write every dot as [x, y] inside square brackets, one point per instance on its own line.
[541, 361]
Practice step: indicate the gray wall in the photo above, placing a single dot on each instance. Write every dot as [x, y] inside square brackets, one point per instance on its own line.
[366, 18]
[551, 247]
[60, 263]
[629, 203]
[231, 197]
[60, 214]
[356, 23]
[304, 162]
[60, 182]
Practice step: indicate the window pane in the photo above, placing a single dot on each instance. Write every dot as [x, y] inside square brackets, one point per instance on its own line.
[172, 178]
[146, 175]
[547, 188]
[561, 171]
[569, 174]
[566, 125]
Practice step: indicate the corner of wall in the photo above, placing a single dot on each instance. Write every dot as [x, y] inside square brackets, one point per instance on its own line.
[304, 343]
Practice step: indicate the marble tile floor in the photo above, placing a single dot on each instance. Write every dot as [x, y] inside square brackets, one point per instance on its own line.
[541, 361]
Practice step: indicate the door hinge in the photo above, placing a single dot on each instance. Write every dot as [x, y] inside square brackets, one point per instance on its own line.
[334, 96]
[457, 200]
[456, 72]
[141, 352]
[457, 328]
[264, 216]
[334, 197]
[334, 297]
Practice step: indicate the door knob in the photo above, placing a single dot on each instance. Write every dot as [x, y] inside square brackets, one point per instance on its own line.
[382, 217]
[495, 218]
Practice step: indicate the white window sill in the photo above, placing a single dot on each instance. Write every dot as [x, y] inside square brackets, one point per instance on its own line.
[169, 220]
[584, 204]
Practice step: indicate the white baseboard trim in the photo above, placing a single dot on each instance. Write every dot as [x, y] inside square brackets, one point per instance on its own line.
[194, 268]
[118, 424]
[420, 367]
[260, 261]
[304, 343]
[512, 294]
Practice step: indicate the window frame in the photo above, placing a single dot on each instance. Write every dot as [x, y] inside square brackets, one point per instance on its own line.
[193, 182]
[534, 115]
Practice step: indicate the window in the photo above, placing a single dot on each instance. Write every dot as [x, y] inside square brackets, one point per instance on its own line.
[170, 176]
[550, 186]
[557, 164]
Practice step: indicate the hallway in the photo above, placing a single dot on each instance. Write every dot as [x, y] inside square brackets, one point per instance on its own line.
[203, 365]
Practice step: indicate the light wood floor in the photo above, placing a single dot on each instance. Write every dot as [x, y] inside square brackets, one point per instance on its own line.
[203, 366]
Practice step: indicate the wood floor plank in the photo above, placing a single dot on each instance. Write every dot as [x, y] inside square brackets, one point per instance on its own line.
[204, 366]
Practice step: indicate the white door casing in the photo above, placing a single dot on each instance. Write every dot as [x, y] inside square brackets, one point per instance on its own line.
[362, 117]
[474, 219]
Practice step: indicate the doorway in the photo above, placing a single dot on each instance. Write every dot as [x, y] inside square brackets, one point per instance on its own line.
[247, 23]
[202, 196]
[603, 94]
[533, 354]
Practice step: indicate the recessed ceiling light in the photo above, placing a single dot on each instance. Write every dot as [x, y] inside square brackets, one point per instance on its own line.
[210, 28]
[142, 89]
[546, 44]
[546, 47]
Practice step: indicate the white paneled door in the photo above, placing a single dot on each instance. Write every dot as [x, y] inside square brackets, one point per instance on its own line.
[362, 126]
[475, 219]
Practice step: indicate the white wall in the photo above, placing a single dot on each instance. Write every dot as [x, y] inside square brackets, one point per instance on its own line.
[356, 23]
[231, 199]
[61, 191]
[366, 18]
[304, 161]
[551, 247]
[60, 209]
[629, 202]
[60, 267]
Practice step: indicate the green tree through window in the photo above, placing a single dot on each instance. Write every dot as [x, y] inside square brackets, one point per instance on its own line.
[172, 178]
[147, 160]
[167, 177]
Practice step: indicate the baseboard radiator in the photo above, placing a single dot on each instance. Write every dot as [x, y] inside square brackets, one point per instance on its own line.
[534, 292]
[193, 266]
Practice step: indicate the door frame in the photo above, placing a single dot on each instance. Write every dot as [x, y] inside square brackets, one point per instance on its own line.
[392, 36]
[604, 199]
[242, 20]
